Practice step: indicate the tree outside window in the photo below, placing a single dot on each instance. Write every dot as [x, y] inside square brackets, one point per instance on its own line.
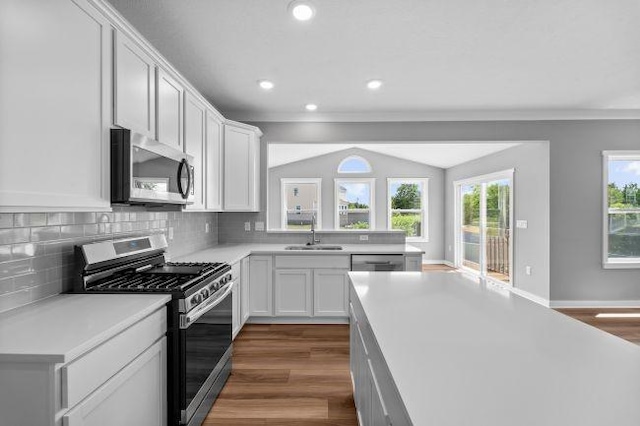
[407, 206]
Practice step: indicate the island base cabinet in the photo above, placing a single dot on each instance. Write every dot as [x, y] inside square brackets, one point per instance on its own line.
[125, 399]
[375, 394]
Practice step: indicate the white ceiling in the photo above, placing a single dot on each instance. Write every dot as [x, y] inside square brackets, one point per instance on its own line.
[442, 155]
[438, 58]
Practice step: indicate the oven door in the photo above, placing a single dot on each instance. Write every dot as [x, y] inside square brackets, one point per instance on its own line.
[206, 349]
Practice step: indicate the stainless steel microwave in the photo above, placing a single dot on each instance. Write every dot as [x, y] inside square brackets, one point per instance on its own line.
[145, 171]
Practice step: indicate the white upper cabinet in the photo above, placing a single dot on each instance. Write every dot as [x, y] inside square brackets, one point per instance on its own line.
[241, 168]
[135, 89]
[194, 125]
[213, 162]
[55, 101]
[169, 118]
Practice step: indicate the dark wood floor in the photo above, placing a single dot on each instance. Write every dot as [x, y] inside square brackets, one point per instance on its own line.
[289, 375]
[626, 328]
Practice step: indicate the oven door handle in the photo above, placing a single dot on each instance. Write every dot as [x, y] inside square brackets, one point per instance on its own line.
[187, 319]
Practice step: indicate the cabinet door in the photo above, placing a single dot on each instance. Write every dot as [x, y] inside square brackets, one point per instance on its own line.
[134, 396]
[330, 292]
[378, 415]
[362, 381]
[170, 100]
[135, 93]
[55, 103]
[261, 286]
[241, 169]
[413, 263]
[244, 292]
[236, 313]
[194, 124]
[293, 292]
[213, 162]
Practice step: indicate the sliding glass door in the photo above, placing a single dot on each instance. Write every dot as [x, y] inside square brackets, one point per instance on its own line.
[484, 225]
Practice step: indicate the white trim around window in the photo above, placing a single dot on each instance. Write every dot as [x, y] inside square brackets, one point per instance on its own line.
[423, 211]
[372, 203]
[616, 262]
[283, 199]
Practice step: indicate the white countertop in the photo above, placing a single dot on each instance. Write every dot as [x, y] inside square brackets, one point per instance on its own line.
[60, 328]
[463, 354]
[232, 253]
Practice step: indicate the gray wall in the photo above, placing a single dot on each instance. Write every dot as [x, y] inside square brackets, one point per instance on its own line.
[383, 166]
[531, 203]
[575, 185]
[36, 249]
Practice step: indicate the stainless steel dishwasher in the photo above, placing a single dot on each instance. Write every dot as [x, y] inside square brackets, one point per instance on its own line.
[377, 262]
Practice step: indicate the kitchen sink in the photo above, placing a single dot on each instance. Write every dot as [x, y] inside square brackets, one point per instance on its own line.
[314, 247]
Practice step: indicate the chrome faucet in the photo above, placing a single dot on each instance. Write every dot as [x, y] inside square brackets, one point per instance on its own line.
[314, 240]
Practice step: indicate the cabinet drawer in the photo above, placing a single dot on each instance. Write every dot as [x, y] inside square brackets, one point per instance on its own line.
[84, 375]
[313, 261]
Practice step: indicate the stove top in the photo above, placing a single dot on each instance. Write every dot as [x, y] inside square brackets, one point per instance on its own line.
[167, 278]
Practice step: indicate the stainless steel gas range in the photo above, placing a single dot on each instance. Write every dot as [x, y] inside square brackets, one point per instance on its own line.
[199, 315]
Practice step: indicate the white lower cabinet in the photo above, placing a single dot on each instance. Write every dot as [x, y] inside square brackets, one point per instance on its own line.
[413, 262]
[244, 286]
[261, 286]
[330, 292]
[293, 292]
[134, 396]
[377, 400]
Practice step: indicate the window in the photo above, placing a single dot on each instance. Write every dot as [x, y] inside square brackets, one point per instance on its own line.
[354, 201]
[621, 224]
[300, 203]
[354, 164]
[484, 214]
[407, 207]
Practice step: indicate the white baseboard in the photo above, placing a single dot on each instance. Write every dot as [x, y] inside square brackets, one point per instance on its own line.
[594, 303]
[450, 264]
[537, 299]
[433, 262]
[297, 320]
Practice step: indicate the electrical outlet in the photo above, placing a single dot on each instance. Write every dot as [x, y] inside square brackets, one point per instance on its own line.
[449, 248]
[364, 238]
[206, 227]
[259, 226]
[170, 233]
[527, 270]
[523, 224]
[247, 226]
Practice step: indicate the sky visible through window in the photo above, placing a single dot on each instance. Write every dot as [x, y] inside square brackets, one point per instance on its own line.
[623, 172]
[354, 165]
[357, 192]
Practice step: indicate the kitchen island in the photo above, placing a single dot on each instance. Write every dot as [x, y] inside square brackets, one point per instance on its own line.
[442, 349]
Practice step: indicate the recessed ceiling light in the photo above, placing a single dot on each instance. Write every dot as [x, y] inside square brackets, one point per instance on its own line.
[621, 315]
[266, 84]
[302, 10]
[311, 107]
[374, 84]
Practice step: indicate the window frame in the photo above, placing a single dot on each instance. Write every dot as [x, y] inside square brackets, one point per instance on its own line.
[424, 211]
[283, 201]
[372, 205]
[607, 262]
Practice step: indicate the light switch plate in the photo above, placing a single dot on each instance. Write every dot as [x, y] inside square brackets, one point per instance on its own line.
[206, 227]
[527, 270]
[259, 226]
[170, 233]
[523, 224]
[364, 238]
[247, 226]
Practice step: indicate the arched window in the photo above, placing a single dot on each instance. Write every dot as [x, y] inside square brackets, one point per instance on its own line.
[354, 164]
